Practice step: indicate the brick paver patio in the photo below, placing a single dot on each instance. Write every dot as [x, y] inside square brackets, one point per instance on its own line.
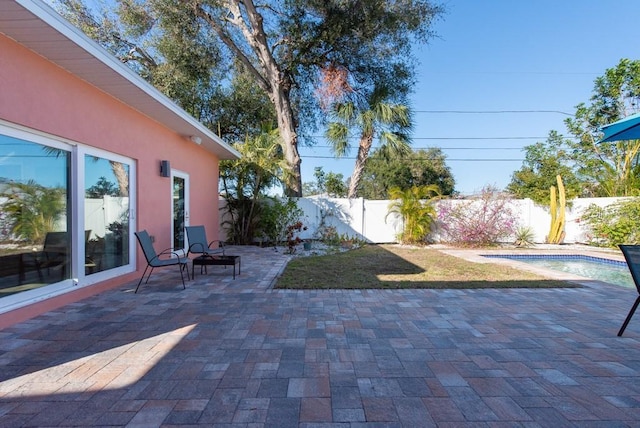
[236, 353]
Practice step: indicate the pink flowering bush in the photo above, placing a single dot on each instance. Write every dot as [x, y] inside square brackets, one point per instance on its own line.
[478, 222]
[292, 235]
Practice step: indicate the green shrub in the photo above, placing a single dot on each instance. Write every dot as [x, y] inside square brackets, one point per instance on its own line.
[278, 220]
[612, 225]
[524, 236]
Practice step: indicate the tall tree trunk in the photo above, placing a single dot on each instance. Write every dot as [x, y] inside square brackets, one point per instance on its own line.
[122, 175]
[267, 75]
[363, 154]
[289, 137]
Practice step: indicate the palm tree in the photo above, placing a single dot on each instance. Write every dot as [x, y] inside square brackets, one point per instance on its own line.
[120, 170]
[33, 209]
[377, 117]
[414, 206]
[246, 180]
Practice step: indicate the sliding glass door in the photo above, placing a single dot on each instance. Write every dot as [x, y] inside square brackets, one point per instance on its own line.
[35, 215]
[65, 215]
[106, 213]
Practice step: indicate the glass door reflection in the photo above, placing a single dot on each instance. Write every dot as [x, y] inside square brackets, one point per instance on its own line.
[106, 207]
[35, 215]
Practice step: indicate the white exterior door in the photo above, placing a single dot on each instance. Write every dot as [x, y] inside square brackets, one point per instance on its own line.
[179, 208]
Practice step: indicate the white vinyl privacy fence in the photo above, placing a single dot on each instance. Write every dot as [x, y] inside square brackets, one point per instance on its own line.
[370, 219]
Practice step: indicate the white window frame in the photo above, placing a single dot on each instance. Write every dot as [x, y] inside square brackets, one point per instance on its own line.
[79, 239]
[76, 188]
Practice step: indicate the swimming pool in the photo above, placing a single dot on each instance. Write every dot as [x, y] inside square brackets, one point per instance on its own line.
[601, 269]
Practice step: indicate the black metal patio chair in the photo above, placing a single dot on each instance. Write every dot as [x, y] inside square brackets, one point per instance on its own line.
[632, 256]
[154, 260]
[198, 244]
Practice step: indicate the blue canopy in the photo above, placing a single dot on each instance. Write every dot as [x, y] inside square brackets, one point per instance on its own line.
[624, 129]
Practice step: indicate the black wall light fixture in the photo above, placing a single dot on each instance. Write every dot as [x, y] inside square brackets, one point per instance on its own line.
[165, 168]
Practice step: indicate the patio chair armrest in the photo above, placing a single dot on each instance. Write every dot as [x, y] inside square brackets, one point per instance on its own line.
[221, 244]
[172, 251]
[196, 248]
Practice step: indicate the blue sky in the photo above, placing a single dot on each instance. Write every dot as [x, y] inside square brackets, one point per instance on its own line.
[506, 55]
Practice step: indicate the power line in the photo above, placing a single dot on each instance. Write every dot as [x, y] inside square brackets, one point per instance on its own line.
[469, 148]
[423, 159]
[453, 138]
[477, 138]
[459, 138]
[449, 148]
[492, 111]
[559, 73]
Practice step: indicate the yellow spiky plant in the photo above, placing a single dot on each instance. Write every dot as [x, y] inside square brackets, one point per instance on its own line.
[557, 210]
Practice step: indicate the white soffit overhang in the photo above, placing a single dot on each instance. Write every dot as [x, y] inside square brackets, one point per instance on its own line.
[38, 27]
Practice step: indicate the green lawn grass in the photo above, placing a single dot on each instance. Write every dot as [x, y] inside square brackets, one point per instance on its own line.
[392, 267]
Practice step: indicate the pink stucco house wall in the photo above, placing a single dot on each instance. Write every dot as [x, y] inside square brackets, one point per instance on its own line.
[60, 87]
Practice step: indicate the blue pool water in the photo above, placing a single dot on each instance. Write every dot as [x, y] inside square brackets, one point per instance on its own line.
[611, 271]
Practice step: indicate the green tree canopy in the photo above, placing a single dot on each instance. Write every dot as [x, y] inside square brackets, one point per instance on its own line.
[611, 169]
[101, 188]
[329, 183]
[336, 186]
[189, 47]
[589, 168]
[419, 168]
[543, 162]
[165, 46]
